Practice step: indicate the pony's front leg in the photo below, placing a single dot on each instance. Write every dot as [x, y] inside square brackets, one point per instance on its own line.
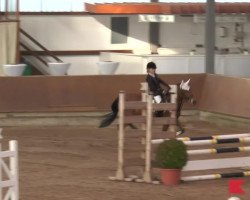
[179, 130]
[165, 127]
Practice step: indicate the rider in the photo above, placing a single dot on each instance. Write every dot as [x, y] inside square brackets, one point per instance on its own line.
[154, 84]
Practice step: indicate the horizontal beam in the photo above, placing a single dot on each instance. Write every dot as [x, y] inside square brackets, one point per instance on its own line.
[218, 141]
[164, 8]
[216, 176]
[134, 119]
[207, 142]
[5, 154]
[217, 163]
[227, 136]
[73, 53]
[135, 105]
[165, 106]
[218, 150]
[164, 121]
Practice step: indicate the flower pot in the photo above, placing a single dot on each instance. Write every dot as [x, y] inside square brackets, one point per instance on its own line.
[58, 69]
[14, 69]
[170, 177]
[107, 67]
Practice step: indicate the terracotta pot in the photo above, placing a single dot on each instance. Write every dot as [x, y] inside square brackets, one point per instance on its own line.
[170, 177]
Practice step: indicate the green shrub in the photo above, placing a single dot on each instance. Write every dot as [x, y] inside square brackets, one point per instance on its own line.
[171, 154]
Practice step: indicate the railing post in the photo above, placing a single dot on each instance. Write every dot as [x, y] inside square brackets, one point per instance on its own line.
[13, 146]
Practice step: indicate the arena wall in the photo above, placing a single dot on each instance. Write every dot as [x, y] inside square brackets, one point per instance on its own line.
[214, 93]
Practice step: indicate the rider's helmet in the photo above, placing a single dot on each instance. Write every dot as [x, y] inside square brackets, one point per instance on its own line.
[151, 65]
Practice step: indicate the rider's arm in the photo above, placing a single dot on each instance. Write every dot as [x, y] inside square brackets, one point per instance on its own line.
[151, 85]
[165, 84]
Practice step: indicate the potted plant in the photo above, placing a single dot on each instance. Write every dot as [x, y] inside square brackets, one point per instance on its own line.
[171, 157]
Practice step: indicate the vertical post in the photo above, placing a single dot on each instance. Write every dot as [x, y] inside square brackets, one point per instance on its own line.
[154, 33]
[18, 33]
[1, 175]
[6, 9]
[13, 146]
[210, 36]
[149, 119]
[120, 166]
[173, 99]
[144, 89]
[1, 137]
[1, 170]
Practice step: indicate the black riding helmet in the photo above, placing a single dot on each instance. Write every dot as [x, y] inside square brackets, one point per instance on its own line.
[151, 65]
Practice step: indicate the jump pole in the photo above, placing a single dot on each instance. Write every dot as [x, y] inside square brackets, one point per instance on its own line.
[218, 150]
[214, 137]
[216, 176]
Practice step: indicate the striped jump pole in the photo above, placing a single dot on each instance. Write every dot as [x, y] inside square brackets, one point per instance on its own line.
[217, 141]
[206, 138]
[216, 176]
[218, 150]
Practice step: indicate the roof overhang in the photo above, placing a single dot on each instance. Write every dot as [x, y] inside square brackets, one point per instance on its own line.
[165, 8]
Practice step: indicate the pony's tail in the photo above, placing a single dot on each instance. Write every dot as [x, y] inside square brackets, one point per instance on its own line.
[109, 118]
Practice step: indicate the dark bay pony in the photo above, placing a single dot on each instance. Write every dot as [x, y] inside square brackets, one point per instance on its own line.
[184, 95]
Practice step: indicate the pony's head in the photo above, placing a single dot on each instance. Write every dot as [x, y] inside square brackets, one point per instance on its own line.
[186, 93]
[185, 85]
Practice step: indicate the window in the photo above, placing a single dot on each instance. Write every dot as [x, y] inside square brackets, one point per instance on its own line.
[119, 28]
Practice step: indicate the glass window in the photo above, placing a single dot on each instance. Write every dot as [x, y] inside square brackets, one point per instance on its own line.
[119, 27]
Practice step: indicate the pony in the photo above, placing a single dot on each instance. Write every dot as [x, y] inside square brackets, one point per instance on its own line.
[184, 95]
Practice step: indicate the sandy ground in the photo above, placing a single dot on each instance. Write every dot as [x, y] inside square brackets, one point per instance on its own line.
[74, 163]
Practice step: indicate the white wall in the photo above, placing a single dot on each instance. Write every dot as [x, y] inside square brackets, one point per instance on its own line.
[229, 65]
[92, 32]
[82, 33]
[185, 34]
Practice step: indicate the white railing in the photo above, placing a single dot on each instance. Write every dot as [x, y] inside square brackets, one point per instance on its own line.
[9, 187]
